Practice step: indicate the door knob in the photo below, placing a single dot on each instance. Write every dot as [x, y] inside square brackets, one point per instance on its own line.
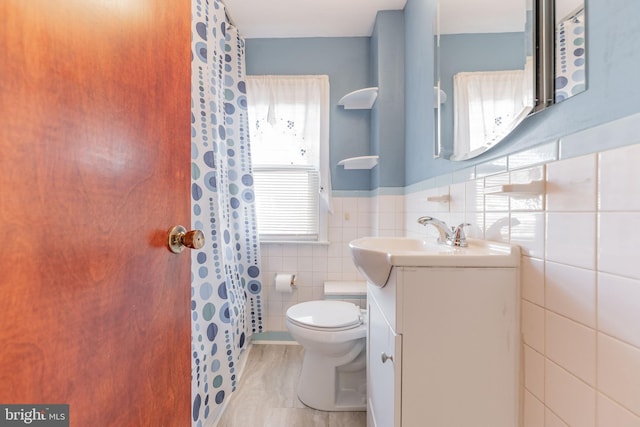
[179, 238]
[384, 357]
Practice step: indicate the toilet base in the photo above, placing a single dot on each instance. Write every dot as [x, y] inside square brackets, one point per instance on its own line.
[333, 385]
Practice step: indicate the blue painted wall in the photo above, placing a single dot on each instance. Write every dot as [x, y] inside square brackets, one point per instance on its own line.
[347, 62]
[419, 77]
[387, 116]
[474, 52]
[613, 43]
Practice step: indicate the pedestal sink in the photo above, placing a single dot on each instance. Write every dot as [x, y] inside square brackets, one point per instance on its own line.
[375, 256]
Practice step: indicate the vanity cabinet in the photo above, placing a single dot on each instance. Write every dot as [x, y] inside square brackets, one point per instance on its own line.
[383, 370]
[443, 348]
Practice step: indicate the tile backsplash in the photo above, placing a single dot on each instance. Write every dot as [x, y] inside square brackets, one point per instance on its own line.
[580, 284]
[580, 273]
[314, 264]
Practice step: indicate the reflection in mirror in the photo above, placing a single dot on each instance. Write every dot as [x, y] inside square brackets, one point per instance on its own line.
[485, 67]
[439, 97]
[570, 52]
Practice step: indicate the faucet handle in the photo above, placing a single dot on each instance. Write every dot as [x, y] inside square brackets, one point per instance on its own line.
[458, 238]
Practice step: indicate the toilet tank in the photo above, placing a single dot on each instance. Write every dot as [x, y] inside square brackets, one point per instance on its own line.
[350, 291]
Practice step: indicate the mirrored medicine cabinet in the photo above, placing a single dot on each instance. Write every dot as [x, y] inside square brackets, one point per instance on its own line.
[498, 62]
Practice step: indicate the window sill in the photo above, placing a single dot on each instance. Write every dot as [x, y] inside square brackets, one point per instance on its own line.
[295, 242]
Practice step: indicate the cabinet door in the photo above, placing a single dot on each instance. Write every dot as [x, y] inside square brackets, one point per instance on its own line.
[383, 370]
[460, 348]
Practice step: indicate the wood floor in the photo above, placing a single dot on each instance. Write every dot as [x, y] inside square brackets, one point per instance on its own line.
[266, 395]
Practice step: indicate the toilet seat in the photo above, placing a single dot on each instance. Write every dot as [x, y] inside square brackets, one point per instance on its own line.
[325, 315]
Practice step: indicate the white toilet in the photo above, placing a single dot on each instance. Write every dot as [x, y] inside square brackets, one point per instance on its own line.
[333, 376]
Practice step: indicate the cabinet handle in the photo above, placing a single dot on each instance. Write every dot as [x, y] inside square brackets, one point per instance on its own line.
[384, 357]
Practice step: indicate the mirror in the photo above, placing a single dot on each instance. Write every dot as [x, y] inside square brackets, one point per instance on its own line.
[498, 61]
[485, 70]
[570, 49]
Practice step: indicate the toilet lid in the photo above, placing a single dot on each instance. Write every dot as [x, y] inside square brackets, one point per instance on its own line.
[325, 314]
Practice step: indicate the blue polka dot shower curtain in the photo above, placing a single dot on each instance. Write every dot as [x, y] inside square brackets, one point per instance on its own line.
[570, 56]
[226, 282]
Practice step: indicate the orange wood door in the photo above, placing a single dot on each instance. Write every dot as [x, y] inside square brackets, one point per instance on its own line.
[94, 169]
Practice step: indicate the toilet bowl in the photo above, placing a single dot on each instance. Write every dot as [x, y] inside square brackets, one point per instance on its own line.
[333, 375]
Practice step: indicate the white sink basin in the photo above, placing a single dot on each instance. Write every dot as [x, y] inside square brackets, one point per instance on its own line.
[375, 256]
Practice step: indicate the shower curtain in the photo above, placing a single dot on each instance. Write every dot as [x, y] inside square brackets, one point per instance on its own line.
[226, 281]
[570, 56]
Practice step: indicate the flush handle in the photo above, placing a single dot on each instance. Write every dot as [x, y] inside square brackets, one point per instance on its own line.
[384, 357]
[179, 238]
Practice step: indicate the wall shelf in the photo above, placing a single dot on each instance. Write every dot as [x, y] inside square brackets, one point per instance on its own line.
[533, 188]
[362, 162]
[443, 97]
[444, 198]
[361, 99]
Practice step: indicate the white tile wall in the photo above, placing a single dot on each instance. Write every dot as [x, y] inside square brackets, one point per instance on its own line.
[612, 414]
[618, 178]
[577, 355]
[618, 309]
[571, 185]
[571, 238]
[532, 280]
[389, 212]
[573, 401]
[570, 292]
[619, 372]
[532, 326]
[619, 251]
[352, 217]
[551, 420]
[534, 372]
[580, 274]
[533, 410]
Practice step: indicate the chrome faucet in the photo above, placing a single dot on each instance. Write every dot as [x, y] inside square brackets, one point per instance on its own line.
[451, 236]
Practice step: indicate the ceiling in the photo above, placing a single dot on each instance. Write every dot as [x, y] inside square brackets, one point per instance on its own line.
[305, 18]
[486, 16]
[353, 18]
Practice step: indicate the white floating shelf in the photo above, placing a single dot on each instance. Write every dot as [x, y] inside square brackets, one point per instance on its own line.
[443, 97]
[361, 99]
[533, 188]
[363, 162]
[444, 198]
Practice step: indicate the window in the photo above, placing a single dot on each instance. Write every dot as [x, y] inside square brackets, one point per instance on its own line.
[289, 128]
[488, 105]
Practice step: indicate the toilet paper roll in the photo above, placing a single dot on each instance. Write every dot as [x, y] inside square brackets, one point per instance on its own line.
[285, 282]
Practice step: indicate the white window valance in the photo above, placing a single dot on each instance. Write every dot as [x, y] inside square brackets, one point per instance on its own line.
[488, 105]
[289, 130]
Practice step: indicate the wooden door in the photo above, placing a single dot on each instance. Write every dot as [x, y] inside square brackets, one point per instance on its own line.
[94, 169]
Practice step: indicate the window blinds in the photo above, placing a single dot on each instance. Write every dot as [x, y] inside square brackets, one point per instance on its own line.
[287, 202]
